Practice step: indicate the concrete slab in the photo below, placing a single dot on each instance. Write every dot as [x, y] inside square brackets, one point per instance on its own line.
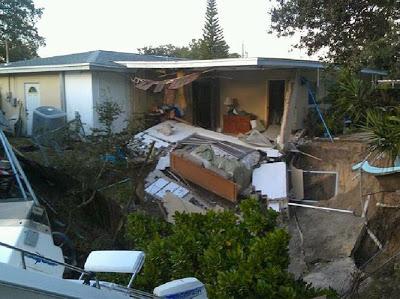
[328, 235]
[322, 245]
[337, 275]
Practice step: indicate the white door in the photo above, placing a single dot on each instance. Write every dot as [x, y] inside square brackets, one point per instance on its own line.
[32, 101]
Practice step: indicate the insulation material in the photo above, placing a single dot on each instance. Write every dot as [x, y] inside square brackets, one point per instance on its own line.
[226, 167]
[270, 179]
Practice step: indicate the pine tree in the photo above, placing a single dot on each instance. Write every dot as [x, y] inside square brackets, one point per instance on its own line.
[213, 42]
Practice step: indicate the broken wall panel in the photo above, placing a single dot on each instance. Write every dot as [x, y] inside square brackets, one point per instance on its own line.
[271, 180]
[204, 178]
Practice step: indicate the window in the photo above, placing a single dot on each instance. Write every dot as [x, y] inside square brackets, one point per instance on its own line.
[32, 89]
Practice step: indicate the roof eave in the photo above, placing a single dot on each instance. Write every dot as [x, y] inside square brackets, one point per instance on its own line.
[236, 63]
[226, 63]
[44, 68]
[210, 63]
[60, 68]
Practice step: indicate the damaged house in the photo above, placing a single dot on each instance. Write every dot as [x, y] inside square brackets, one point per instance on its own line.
[272, 91]
[234, 95]
[234, 115]
[232, 118]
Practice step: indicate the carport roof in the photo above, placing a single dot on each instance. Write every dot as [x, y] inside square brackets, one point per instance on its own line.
[235, 63]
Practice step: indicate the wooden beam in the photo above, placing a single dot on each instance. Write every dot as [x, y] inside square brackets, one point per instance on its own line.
[286, 125]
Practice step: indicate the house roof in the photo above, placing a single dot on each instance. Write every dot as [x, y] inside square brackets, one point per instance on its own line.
[234, 63]
[84, 60]
[119, 61]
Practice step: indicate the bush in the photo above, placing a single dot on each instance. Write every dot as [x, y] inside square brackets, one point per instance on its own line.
[350, 97]
[383, 131]
[235, 256]
[107, 111]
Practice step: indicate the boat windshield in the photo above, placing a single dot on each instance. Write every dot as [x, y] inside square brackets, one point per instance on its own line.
[14, 185]
[17, 198]
[23, 210]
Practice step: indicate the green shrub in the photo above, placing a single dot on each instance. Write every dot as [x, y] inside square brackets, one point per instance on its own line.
[235, 256]
[107, 111]
[383, 131]
[350, 97]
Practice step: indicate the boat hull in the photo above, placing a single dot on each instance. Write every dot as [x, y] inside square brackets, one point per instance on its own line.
[18, 283]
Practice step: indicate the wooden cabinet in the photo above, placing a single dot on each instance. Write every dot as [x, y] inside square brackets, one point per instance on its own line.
[205, 178]
[235, 124]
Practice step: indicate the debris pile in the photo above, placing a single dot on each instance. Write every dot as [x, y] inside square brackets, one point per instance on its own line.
[207, 170]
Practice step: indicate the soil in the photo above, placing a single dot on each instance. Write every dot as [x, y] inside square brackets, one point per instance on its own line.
[354, 190]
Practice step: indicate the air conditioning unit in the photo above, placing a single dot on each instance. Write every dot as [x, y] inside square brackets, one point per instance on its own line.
[46, 119]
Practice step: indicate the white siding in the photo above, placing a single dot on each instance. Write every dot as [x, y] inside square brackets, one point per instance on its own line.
[79, 97]
[113, 87]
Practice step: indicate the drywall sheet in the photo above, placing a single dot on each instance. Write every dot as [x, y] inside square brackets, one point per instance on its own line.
[270, 179]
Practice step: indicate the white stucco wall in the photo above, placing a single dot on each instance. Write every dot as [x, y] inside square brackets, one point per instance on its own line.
[79, 97]
[114, 87]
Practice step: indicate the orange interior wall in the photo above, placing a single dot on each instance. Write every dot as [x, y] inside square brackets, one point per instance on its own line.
[251, 89]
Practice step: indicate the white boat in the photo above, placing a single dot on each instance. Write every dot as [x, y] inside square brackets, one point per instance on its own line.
[32, 266]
